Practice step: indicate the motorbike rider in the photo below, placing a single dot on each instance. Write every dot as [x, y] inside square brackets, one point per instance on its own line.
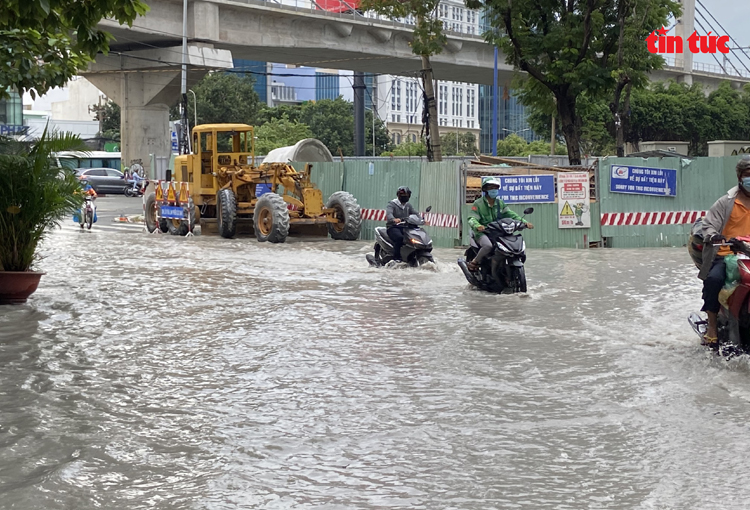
[397, 211]
[87, 190]
[484, 211]
[729, 217]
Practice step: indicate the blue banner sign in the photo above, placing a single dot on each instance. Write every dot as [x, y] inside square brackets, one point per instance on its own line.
[527, 189]
[173, 212]
[641, 180]
[11, 129]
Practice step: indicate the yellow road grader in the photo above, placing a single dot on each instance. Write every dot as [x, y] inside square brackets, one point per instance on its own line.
[222, 180]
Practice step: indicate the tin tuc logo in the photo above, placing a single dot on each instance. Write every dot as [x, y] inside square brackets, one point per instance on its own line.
[659, 42]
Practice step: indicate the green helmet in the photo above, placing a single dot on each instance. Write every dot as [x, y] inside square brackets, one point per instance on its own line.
[486, 181]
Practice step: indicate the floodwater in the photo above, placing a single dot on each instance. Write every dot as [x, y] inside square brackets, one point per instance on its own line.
[204, 373]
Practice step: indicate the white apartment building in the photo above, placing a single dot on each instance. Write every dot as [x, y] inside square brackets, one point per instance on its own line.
[401, 98]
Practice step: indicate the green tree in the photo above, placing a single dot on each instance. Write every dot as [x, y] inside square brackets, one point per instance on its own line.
[279, 133]
[332, 122]
[223, 98]
[428, 40]
[44, 43]
[466, 143]
[596, 126]
[111, 121]
[573, 48]
[514, 145]
[410, 149]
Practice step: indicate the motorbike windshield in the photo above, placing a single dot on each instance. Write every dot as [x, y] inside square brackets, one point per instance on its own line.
[415, 220]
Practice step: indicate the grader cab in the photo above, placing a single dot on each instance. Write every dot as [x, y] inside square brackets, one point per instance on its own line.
[222, 181]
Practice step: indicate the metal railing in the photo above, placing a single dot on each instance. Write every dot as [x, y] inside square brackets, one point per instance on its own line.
[452, 28]
[726, 70]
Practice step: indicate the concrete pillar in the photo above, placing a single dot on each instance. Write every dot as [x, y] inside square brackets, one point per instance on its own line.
[204, 21]
[684, 29]
[144, 112]
[145, 84]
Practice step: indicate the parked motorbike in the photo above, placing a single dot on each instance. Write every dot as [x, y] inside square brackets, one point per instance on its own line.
[416, 250]
[137, 189]
[502, 271]
[733, 320]
[86, 215]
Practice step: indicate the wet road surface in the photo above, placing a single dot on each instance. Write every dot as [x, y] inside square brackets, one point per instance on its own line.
[150, 371]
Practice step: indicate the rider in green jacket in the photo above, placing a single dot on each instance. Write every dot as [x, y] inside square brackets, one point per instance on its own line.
[484, 211]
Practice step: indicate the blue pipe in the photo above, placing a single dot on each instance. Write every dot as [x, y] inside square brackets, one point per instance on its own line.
[494, 109]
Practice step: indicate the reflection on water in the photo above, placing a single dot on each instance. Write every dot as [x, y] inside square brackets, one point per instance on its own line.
[160, 372]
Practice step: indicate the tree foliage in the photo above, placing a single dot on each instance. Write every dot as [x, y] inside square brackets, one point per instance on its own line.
[111, 122]
[570, 48]
[427, 39]
[664, 112]
[224, 98]
[410, 149]
[332, 122]
[44, 43]
[459, 144]
[279, 133]
[514, 145]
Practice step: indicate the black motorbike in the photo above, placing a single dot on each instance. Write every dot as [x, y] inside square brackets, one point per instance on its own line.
[417, 247]
[502, 271]
[137, 189]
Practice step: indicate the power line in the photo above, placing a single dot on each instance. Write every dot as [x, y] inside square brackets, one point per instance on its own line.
[713, 30]
[723, 30]
[713, 55]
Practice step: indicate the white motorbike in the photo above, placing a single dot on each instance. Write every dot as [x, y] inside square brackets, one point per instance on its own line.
[87, 213]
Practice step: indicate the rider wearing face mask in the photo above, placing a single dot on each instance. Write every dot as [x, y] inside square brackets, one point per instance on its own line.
[729, 217]
[396, 212]
[484, 211]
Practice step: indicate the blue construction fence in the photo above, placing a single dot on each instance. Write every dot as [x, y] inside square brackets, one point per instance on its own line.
[620, 217]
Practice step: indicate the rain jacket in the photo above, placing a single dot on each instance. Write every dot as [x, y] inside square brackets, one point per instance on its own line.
[483, 214]
[713, 223]
[395, 209]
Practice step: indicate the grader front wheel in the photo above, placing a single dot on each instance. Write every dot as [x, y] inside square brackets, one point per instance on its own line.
[348, 214]
[151, 217]
[271, 219]
[226, 209]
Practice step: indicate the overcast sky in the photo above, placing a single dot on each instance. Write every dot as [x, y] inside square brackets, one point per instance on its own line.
[734, 16]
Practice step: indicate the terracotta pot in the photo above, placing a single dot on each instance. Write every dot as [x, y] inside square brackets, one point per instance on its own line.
[16, 286]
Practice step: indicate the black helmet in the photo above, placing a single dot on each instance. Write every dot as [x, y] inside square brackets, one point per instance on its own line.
[403, 191]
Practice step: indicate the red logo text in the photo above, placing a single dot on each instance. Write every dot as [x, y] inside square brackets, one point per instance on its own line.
[659, 42]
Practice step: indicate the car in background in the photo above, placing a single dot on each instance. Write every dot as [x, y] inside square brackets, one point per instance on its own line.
[104, 180]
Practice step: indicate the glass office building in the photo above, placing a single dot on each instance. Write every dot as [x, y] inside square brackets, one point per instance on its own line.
[259, 72]
[511, 117]
[11, 115]
[326, 86]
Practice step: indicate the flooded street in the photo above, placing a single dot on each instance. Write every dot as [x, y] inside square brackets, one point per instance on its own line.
[204, 373]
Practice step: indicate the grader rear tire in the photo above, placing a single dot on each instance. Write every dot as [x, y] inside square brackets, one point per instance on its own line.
[271, 219]
[226, 209]
[349, 215]
[182, 227]
[150, 213]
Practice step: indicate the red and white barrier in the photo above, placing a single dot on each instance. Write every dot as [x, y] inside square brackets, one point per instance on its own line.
[651, 218]
[431, 219]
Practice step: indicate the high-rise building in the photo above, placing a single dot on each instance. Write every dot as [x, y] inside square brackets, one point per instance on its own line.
[462, 107]
[11, 115]
[326, 84]
[260, 72]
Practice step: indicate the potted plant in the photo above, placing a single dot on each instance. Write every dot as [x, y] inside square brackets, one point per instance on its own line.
[35, 195]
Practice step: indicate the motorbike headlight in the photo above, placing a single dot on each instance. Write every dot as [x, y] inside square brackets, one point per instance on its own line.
[414, 240]
[509, 227]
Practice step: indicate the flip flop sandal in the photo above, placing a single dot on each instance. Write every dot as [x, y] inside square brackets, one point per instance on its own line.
[710, 341]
